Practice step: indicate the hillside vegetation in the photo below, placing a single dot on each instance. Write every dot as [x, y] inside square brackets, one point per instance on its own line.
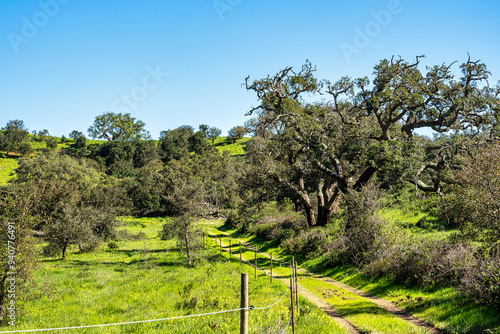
[345, 185]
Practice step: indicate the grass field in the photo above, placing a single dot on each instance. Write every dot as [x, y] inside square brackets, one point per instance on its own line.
[147, 279]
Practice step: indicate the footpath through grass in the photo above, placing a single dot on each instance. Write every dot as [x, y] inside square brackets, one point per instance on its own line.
[147, 279]
[442, 307]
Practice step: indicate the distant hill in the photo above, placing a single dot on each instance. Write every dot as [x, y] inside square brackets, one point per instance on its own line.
[8, 160]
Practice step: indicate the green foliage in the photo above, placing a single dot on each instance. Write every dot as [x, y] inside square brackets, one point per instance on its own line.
[237, 132]
[14, 137]
[113, 126]
[482, 281]
[113, 245]
[474, 204]
[122, 158]
[175, 143]
[51, 142]
[198, 143]
[76, 205]
[17, 246]
[213, 133]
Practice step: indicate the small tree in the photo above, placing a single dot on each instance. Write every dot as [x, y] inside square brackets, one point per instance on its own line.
[113, 126]
[198, 143]
[66, 227]
[237, 132]
[181, 228]
[70, 203]
[15, 137]
[184, 197]
[43, 134]
[75, 134]
[203, 127]
[51, 142]
[213, 133]
[175, 143]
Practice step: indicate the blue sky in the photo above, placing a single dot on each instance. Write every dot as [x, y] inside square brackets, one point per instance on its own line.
[171, 63]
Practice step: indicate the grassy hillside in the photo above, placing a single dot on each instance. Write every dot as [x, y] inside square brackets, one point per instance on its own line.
[8, 160]
[234, 148]
[7, 167]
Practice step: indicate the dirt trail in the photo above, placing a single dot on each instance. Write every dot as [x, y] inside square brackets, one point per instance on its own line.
[327, 308]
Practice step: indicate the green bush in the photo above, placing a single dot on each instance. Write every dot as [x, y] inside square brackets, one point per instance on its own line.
[309, 243]
[125, 235]
[113, 245]
[482, 281]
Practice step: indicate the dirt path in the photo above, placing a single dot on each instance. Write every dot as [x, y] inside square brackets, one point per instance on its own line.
[322, 304]
[327, 308]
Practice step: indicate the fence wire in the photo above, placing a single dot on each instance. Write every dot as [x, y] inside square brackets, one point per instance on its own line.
[152, 320]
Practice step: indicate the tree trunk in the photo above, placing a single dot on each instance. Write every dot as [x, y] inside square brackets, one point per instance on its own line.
[336, 203]
[188, 249]
[311, 219]
[64, 251]
[323, 215]
[298, 205]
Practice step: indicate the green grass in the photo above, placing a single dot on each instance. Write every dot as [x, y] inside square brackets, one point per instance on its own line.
[7, 167]
[444, 307]
[224, 144]
[365, 315]
[420, 223]
[147, 279]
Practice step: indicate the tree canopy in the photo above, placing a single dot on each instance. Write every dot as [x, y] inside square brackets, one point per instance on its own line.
[329, 148]
[113, 126]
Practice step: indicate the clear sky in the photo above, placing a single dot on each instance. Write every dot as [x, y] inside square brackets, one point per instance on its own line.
[171, 63]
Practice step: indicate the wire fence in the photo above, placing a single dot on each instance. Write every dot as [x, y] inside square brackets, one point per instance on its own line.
[253, 250]
[248, 262]
[151, 320]
[173, 318]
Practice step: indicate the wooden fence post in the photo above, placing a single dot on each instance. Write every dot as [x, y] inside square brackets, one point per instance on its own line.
[240, 254]
[293, 313]
[297, 289]
[255, 261]
[244, 304]
[271, 268]
[230, 251]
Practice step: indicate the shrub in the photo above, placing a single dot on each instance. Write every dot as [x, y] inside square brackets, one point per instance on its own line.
[423, 263]
[236, 220]
[113, 245]
[125, 235]
[278, 228]
[482, 281]
[474, 205]
[362, 226]
[309, 243]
